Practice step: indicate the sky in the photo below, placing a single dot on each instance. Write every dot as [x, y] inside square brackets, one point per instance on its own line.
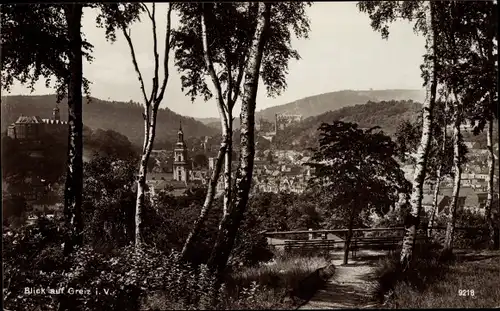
[342, 52]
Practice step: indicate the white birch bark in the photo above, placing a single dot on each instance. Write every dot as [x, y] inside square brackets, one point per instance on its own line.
[229, 227]
[491, 176]
[457, 171]
[423, 148]
[438, 184]
[151, 106]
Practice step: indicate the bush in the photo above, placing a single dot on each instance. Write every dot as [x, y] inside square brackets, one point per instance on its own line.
[471, 238]
[121, 279]
[426, 267]
[274, 284]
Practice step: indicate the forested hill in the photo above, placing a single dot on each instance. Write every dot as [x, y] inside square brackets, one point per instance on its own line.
[386, 114]
[125, 118]
[322, 103]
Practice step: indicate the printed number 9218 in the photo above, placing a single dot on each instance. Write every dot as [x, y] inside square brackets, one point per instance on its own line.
[466, 292]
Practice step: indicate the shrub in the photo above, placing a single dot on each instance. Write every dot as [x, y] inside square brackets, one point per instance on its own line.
[426, 267]
[120, 279]
[471, 238]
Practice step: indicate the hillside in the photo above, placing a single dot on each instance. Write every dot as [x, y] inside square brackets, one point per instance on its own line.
[319, 104]
[125, 118]
[386, 114]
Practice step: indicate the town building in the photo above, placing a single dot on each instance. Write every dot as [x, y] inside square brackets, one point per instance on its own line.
[180, 174]
[32, 128]
[282, 121]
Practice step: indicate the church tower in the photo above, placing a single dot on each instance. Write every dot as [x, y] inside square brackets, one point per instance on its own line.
[56, 114]
[180, 167]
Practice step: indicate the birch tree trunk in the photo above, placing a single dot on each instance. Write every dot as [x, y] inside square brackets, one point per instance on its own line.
[207, 204]
[229, 228]
[457, 171]
[151, 105]
[347, 243]
[150, 133]
[491, 176]
[228, 168]
[225, 147]
[74, 172]
[438, 183]
[423, 148]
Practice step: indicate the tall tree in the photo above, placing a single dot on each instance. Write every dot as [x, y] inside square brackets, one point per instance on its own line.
[467, 44]
[230, 224]
[440, 157]
[423, 12]
[358, 168]
[214, 40]
[118, 16]
[45, 41]
[478, 22]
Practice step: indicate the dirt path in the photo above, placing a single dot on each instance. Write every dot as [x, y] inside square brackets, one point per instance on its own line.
[351, 286]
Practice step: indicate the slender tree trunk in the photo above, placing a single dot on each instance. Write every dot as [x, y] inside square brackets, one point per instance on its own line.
[209, 198]
[423, 148]
[225, 147]
[74, 172]
[438, 182]
[151, 105]
[229, 228]
[347, 243]
[457, 171]
[149, 138]
[228, 168]
[491, 176]
[434, 202]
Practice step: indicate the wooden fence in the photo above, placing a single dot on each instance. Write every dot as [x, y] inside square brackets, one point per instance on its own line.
[334, 239]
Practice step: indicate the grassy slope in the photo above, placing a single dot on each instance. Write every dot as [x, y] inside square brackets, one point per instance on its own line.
[479, 273]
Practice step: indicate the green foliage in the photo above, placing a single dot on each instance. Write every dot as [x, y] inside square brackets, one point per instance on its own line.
[109, 200]
[385, 114]
[230, 28]
[109, 143]
[474, 238]
[200, 161]
[35, 44]
[426, 268]
[120, 279]
[408, 139]
[14, 210]
[285, 211]
[382, 13]
[443, 291]
[357, 168]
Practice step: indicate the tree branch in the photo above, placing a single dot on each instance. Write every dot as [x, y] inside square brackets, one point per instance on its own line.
[166, 56]
[229, 90]
[154, 90]
[134, 61]
[210, 67]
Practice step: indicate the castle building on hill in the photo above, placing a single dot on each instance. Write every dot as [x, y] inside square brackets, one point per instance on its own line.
[32, 128]
[281, 121]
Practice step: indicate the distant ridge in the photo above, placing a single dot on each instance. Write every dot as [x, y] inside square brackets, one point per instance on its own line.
[123, 117]
[318, 104]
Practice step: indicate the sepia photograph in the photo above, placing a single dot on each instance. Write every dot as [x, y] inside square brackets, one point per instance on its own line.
[250, 155]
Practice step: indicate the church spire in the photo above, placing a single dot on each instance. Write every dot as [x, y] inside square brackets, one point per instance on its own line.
[180, 134]
[56, 115]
